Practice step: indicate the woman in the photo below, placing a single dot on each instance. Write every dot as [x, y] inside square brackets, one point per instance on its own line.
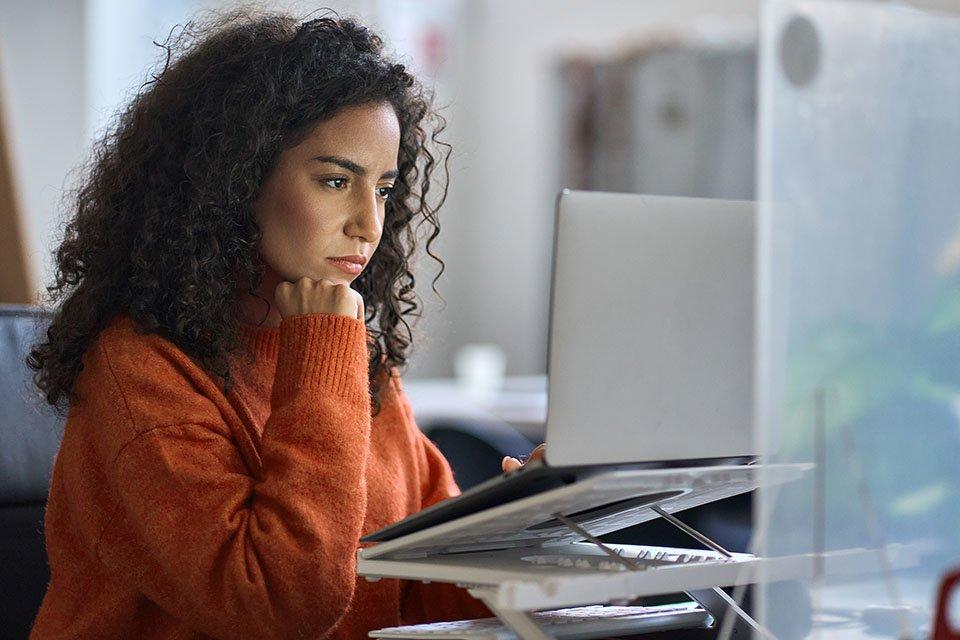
[232, 300]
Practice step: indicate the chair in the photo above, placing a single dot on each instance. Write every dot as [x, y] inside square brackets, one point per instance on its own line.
[30, 432]
[475, 448]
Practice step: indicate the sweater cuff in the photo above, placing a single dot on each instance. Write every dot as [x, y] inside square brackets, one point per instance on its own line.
[322, 351]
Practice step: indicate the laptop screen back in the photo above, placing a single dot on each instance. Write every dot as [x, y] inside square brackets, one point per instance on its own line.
[651, 329]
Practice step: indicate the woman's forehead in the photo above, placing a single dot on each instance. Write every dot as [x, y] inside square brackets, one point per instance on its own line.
[365, 134]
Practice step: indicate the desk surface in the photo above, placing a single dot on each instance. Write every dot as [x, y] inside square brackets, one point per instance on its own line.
[522, 402]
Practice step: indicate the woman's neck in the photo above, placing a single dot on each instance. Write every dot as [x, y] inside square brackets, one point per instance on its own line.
[253, 308]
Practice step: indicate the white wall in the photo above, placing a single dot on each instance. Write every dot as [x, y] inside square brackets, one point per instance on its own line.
[42, 60]
[121, 51]
[497, 226]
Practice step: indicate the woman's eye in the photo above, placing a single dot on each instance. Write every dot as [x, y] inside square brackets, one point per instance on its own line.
[385, 192]
[336, 183]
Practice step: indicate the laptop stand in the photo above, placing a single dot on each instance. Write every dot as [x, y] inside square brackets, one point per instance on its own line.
[514, 574]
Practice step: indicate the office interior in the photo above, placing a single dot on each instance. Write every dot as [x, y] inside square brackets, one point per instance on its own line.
[853, 169]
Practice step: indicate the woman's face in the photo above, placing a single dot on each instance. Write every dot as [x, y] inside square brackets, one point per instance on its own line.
[325, 199]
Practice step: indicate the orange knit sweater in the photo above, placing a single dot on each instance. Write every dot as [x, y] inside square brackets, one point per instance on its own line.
[178, 512]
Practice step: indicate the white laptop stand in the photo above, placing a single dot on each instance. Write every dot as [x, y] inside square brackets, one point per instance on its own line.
[528, 556]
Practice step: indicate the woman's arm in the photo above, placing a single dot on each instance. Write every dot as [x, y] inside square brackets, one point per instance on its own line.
[237, 556]
[435, 601]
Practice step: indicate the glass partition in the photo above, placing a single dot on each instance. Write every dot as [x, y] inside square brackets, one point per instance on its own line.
[859, 312]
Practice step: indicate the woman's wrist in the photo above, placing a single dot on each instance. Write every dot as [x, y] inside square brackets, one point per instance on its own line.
[322, 351]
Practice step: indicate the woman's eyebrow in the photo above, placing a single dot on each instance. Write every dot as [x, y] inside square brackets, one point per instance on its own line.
[352, 166]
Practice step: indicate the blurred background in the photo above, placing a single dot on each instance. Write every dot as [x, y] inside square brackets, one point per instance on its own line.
[622, 95]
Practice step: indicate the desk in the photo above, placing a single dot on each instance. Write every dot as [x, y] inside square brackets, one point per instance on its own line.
[522, 402]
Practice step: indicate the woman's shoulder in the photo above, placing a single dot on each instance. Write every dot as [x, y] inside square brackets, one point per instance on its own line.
[144, 373]
[127, 344]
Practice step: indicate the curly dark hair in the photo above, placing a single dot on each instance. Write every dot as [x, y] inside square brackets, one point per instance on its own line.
[162, 225]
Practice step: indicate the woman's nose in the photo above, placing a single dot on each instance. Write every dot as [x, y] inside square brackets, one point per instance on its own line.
[366, 221]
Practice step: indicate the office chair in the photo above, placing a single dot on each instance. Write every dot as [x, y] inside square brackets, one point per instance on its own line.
[475, 448]
[30, 432]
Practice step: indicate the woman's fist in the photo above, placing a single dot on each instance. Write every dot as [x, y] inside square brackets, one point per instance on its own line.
[307, 296]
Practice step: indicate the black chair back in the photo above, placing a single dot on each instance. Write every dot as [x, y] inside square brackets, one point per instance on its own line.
[30, 432]
[475, 448]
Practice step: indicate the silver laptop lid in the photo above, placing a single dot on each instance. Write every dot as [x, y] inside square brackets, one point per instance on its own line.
[651, 329]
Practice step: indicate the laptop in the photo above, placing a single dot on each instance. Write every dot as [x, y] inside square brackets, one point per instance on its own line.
[650, 363]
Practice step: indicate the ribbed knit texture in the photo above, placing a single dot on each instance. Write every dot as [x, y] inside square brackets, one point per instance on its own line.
[322, 355]
[176, 511]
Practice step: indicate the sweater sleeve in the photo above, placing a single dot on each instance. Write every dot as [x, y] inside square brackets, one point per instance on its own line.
[434, 601]
[237, 556]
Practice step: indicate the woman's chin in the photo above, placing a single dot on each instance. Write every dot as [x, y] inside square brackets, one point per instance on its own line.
[330, 275]
[339, 277]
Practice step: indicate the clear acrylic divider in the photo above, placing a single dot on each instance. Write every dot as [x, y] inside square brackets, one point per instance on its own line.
[859, 310]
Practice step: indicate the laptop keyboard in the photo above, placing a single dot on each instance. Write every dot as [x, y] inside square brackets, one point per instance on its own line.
[596, 621]
[644, 556]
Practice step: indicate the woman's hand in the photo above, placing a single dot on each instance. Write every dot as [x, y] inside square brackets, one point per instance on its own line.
[512, 464]
[307, 296]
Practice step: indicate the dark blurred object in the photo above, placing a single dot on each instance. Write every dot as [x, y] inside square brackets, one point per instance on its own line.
[30, 433]
[669, 118]
[950, 587]
[475, 448]
[727, 522]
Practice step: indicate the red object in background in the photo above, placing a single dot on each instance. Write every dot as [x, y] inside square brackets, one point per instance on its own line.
[433, 47]
[941, 625]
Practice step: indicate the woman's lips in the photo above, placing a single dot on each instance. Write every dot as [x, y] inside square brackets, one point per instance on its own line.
[353, 268]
